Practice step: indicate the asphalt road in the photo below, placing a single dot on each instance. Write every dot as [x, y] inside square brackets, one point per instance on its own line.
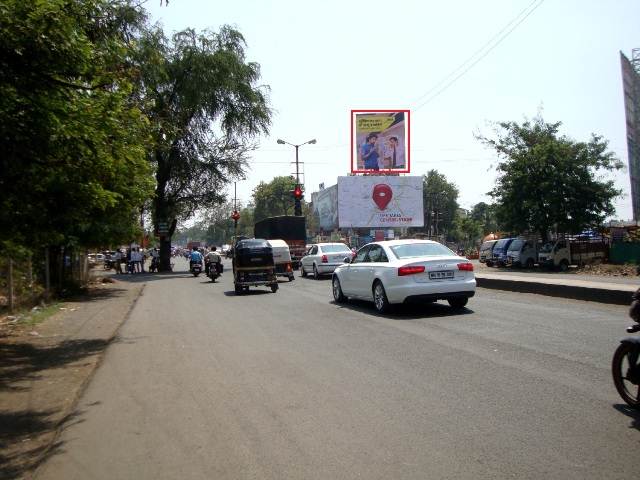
[204, 384]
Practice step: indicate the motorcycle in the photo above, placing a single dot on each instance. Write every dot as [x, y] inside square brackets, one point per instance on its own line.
[625, 366]
[214, 270]
[195, 268]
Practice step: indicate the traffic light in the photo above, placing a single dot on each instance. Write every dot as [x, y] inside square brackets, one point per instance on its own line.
[297, 195]
[235, 216]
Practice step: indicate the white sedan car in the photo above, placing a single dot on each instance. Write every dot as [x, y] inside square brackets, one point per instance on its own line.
[323, 258]
[403, 271]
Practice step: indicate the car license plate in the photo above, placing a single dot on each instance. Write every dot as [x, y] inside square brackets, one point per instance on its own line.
[441, 275]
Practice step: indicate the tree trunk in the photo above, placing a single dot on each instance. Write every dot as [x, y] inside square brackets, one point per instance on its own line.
[165, 254]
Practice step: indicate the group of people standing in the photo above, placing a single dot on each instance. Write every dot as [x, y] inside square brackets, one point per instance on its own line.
[133, 259]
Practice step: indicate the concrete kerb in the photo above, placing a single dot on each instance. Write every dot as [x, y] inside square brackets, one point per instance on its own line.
[616, 294]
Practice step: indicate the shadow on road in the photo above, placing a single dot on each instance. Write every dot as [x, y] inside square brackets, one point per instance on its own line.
[26, 433]
[406, 312]
[248, 293]
[21, 363]
[633, 414]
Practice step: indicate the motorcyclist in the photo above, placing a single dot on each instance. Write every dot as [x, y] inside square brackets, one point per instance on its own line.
[213, 259]
[195, 258]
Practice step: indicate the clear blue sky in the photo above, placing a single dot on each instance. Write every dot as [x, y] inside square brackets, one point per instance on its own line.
[322, 59]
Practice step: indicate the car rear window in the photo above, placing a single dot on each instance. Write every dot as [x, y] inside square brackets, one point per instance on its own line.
[334, 248]
[253, 244]
[410, 250]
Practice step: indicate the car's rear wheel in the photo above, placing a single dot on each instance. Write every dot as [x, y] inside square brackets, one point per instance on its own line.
[303, 273]
[338, 296]
[238, 289]
[316, 274]
[380, 298]
[458, 302]
[274, 287]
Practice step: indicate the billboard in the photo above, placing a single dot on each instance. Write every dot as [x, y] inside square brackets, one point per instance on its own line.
[380, 141]
[631, 90]
[380, 202]
[325, 205]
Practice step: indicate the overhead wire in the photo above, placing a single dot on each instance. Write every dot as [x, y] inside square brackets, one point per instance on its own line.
[483, 51]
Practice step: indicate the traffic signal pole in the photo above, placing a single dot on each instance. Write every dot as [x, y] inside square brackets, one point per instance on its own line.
[297, 193]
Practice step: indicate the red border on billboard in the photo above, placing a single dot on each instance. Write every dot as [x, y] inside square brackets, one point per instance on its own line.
[407, 148]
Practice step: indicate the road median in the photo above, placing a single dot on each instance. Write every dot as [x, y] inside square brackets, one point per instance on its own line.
[580, 289]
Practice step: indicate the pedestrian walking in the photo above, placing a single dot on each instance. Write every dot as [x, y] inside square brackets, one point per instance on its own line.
[118, 261]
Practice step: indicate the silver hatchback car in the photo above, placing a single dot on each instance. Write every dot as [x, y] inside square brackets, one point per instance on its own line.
[323, 258]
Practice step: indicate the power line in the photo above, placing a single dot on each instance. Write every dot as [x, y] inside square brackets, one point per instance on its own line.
[487, 48]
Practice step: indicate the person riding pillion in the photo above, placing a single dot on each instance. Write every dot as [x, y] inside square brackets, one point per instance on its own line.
[195, 257]
[213, 258]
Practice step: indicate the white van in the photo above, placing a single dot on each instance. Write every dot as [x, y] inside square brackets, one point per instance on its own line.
[282, 258]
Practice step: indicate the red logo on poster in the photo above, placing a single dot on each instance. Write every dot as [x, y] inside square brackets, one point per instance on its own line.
[382, 195]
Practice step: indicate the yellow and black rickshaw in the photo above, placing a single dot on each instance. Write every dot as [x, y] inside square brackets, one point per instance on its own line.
[253, 265]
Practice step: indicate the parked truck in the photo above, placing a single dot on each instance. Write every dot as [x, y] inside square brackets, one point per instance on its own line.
[290, 228]
[570, 251]
[522, 253]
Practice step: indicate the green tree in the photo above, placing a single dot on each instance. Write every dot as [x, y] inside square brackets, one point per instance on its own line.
[440, 199]
[247, 221]
[274, 198]
[73, 168]
[205, 109]
[485, 215]
[549, 182]
[467, 230]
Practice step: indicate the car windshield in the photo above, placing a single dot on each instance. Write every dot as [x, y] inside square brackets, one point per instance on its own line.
[547, 247]
[410, 250]
[516, 245]
[502, 243]
[486, 246]
[334, 248]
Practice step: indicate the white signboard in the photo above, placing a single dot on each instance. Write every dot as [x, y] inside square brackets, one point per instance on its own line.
[325, 204]
[380, 202]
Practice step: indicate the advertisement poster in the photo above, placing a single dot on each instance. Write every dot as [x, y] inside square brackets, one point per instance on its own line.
[325, 205]
[380, 141]
[380, 202]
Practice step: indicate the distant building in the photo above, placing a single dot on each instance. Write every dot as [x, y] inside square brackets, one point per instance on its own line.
[631, 90]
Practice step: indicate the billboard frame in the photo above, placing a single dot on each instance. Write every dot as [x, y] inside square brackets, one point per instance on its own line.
[390, 171]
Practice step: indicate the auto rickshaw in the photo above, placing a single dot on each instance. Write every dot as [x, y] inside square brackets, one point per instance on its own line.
[253, 265]
[282, 259]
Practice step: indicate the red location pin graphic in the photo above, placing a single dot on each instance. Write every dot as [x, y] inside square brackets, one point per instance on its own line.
[382, 195]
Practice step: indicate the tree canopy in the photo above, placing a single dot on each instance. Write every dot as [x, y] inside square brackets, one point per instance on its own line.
[73, 168]
[440, 203]
[205, 108]
[274, 198]
[549, 182]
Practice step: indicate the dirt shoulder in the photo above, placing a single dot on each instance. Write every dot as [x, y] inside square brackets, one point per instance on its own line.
[44, 369]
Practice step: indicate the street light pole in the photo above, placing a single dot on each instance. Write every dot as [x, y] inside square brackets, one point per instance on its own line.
[297, 193]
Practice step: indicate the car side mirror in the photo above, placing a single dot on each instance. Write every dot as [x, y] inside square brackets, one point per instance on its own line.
[346, 259]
